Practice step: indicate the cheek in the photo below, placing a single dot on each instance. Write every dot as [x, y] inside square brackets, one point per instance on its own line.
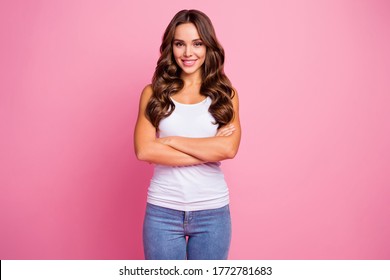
[176, 53]
[202, 56]
[202, 53]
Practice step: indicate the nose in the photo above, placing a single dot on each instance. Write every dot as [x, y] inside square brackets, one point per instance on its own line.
[188, 51]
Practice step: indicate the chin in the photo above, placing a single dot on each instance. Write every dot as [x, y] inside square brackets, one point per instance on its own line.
[191, 70]
[188, 71]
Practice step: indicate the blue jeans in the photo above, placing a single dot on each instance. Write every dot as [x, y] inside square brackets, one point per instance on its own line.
[194, 235]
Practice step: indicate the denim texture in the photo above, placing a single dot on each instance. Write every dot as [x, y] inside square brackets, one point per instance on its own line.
[170, 234]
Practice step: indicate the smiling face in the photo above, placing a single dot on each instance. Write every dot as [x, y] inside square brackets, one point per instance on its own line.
[188, 49]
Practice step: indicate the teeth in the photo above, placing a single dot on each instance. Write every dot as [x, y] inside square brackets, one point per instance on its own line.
[188, 62]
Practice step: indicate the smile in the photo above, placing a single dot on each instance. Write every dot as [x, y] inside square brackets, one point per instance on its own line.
[188, 63]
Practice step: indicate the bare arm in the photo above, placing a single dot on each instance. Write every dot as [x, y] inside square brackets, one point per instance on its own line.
[146, 146]
[222, 146]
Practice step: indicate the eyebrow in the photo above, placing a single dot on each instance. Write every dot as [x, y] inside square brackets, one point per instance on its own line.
[178, 40]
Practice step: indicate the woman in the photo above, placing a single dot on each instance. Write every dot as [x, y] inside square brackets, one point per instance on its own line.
[188, 122]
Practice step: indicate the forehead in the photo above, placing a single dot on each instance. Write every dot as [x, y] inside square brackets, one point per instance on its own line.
[186, 31]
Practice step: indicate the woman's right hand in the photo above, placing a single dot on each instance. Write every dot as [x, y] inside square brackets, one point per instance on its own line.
[226, 130]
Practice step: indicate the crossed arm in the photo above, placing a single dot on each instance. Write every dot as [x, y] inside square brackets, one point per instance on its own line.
[183, 151]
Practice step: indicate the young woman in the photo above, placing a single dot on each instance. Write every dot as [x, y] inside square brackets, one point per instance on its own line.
[188, 122]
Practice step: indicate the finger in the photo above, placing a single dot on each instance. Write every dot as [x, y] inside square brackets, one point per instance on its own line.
[230, 125]
[226, 130]
[225, 133]
[222, 132]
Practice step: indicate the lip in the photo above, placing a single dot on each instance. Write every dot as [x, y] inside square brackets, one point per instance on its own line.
[189, 62]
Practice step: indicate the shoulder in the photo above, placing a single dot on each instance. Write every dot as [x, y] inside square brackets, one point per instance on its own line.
[234, 92]
[146, 94]
[147, 91]
[234, 95]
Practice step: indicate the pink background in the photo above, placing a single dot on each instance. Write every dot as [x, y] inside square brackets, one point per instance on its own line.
[311, 180]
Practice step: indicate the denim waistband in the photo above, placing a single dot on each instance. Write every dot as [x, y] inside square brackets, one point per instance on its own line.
[206, 212]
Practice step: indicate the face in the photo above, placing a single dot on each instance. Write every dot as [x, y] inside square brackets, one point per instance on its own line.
[188, 49]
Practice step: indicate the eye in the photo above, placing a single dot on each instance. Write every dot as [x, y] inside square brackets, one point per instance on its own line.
[198, 44]
[178, 44]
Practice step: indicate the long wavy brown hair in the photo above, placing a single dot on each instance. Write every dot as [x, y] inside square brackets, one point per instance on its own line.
[166, 79]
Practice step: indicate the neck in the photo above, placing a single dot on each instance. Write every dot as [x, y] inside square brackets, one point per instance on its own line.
[193, 79]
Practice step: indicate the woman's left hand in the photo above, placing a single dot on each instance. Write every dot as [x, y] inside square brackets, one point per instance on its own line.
[226, 130]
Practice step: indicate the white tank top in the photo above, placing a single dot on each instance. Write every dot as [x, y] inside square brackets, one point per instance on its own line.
[195, 187]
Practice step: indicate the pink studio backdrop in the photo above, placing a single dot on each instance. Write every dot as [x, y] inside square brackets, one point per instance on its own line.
[311, 180]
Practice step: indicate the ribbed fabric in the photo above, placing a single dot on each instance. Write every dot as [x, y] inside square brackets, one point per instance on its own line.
[195, 187]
